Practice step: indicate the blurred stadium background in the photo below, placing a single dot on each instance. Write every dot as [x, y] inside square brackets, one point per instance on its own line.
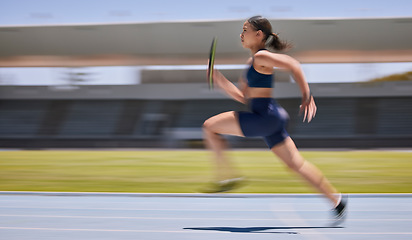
[141, 85]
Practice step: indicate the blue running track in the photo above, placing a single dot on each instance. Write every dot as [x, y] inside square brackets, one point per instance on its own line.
[32, 215]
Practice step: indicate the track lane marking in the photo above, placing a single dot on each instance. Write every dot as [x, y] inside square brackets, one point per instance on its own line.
[190, 218]
[192, 231]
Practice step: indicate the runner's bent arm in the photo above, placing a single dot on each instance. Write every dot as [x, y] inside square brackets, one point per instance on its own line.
[271, 60]
[228, 87]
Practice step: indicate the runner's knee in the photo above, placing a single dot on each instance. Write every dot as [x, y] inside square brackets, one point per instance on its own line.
[207, 126]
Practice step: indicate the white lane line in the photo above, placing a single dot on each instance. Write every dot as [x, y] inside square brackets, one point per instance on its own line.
[92, 230]
[192, 231]
[197, 195]
[192, 218]
[147, 209]
[148, 218]
[195, 210]
[366, 233]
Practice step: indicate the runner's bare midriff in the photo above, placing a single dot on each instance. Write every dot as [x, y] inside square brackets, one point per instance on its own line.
[259, 92]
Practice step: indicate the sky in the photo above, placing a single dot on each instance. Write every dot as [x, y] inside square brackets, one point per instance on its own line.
[63, 12]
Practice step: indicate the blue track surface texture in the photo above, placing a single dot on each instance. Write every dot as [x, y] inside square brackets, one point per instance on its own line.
[178, 217]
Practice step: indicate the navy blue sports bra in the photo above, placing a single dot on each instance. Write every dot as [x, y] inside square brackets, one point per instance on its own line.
[258, 80]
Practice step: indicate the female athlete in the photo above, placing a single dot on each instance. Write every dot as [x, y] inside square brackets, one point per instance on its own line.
[266, 119]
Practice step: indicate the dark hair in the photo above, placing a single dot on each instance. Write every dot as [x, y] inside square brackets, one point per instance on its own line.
[261, 23]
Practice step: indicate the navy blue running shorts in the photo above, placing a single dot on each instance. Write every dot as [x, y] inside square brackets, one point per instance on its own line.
[267, 119]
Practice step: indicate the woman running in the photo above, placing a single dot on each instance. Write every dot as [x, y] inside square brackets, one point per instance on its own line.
[266, 119]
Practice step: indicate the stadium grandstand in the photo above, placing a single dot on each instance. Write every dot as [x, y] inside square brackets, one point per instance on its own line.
[151, 104]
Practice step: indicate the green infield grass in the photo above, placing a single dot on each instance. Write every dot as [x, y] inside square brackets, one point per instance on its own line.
[178, 171]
